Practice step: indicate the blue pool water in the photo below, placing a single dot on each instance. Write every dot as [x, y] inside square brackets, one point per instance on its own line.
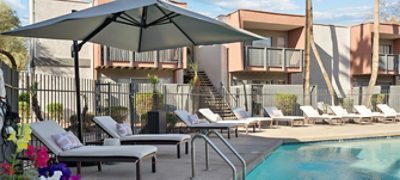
[363, 159]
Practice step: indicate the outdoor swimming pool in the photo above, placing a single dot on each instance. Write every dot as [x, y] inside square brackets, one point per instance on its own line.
[361, 159]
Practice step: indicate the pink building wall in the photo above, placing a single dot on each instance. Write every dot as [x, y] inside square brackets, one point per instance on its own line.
[361, 45]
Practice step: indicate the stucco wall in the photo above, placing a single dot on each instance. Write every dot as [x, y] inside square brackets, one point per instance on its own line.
[361, 49]
[59, 51]
[213, 60]
[333, 44]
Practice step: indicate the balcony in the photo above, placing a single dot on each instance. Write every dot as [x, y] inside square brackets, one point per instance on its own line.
[171, 58]
[273, 59]
[389, 63]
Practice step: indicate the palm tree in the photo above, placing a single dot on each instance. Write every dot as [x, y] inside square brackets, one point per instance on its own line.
[307, 58]
[310, 45]
[375, 55]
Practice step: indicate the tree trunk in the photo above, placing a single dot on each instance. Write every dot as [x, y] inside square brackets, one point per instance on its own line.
[375, 56]
[306, 68]
[323, 71]
[10, 57]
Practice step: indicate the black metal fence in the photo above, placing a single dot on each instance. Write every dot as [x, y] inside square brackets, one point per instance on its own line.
[55, 96]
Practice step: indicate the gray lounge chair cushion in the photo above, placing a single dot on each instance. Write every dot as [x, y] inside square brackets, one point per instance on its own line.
[138, 151]
[109, 124]
[44, 130]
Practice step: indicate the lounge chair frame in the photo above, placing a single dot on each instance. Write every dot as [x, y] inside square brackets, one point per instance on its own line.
[149, 142]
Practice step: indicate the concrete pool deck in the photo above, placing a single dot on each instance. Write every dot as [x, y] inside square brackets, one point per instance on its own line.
[253, 147]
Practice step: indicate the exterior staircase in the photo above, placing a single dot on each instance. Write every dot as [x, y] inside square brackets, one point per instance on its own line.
[210, 97]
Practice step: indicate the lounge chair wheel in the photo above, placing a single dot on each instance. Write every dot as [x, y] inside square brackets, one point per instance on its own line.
[99, 166]
[178, 150]
[138, 177]
[78, 167]
[153, 164]
[187, 147]
[236, 132]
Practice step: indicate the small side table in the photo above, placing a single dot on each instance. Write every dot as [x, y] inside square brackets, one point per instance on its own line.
[111, 142]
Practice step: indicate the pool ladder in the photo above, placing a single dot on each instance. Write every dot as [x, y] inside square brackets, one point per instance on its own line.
[207, 143]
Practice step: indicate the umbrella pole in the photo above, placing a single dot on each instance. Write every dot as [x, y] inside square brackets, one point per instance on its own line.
[75, 54]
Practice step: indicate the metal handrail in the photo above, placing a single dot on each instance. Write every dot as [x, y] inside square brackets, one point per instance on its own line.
[244, 167]
[216, 149]
[225, 91]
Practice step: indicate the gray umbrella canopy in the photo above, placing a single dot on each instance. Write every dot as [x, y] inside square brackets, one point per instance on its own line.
[137, 25]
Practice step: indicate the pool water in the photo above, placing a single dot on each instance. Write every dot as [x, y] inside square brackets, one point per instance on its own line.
[361, 159]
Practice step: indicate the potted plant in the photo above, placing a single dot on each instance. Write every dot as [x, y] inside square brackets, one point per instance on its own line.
[156, 118]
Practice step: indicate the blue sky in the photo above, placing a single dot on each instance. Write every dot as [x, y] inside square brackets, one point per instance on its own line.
[341, 12]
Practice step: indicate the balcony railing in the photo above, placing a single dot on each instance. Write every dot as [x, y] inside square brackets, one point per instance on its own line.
[389, 63]
[109, 54]
[273, 57]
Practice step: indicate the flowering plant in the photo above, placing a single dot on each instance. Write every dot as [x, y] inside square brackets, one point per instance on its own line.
[39, 157]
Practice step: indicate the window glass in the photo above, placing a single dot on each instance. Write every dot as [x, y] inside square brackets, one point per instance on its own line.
[266, 42]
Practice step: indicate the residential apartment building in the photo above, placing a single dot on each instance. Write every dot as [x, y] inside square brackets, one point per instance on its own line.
[346, 53]
[123, 66]
[54, 56]
[271, 60]
[361, 53]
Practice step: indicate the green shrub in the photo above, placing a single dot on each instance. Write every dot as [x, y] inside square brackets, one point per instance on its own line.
[55, 110]
[377, 99]
[87, 123]
[23, 109]
[24, 97]
[118, 113]
[286, 102]
[348, 104]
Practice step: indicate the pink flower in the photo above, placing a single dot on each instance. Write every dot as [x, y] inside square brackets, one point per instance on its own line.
[42, 158]
[76, 177]
[8, 169]
[30, 151]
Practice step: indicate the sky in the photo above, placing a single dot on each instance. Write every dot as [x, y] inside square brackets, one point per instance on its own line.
[338, 12]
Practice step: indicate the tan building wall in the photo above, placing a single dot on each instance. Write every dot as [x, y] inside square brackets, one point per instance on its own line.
[54, 56]
[213, 60]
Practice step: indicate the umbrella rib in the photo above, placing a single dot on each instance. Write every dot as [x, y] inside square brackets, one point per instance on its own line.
[98, 29]
[129, 21]
[177, 26]
[130, 17]
[142, 24]
[126, 23]
[161, 19]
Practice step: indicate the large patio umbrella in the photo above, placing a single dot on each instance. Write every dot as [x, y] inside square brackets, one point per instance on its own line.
[137, 25]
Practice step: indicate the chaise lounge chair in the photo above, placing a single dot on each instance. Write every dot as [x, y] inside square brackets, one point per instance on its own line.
[215, 118]
[386, 109]
[357, 118]
[134, 153]
[381, 117]
[311, 114]
[277, 116]
[183, 115]
[109, 126]
[242, 114]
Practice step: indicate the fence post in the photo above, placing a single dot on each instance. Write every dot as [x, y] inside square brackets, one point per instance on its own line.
[109, 98]
[132, 108]
[97, 96]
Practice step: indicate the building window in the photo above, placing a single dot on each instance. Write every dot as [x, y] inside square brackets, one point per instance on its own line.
[385, 49]
[265, 42]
